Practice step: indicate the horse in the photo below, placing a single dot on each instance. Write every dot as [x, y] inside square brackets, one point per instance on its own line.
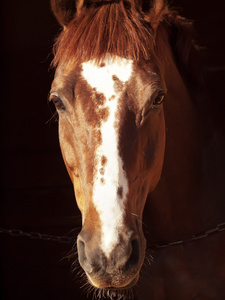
[143, 148]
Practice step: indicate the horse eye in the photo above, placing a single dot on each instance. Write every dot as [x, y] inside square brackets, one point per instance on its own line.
[159, 99]
[57, 102]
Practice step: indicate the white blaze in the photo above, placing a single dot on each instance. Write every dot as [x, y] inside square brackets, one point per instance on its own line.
[111, 176]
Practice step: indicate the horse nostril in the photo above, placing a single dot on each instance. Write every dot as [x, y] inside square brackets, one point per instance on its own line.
[134, 256]
[81, 249]
[82, 256]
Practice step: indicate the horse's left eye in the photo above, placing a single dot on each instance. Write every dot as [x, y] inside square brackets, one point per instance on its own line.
[59, 105]
[150, 105]
[159, 99]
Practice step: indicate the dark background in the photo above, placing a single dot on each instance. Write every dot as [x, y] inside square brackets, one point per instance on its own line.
[35, 190]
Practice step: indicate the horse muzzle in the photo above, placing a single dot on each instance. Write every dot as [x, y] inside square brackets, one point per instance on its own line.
[118, 270]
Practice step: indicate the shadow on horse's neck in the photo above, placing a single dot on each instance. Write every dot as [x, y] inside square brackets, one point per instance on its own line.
[187, 199]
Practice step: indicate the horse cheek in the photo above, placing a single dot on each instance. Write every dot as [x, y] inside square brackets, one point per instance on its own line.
[155, 151]
[78, 192]
[69, 157]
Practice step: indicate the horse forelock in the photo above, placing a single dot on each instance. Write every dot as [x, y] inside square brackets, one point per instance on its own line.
[122, 30]
[114, 29]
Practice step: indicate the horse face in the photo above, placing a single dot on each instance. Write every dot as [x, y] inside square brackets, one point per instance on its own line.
[112, 137]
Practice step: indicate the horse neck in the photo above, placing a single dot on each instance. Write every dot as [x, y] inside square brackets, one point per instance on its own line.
[182, 203]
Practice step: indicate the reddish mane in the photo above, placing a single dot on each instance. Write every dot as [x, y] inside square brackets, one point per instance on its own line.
[121, 29]
[114, 28]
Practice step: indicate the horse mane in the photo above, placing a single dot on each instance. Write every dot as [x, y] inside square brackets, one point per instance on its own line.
[121, 29]
[114, 28]
[187, 53]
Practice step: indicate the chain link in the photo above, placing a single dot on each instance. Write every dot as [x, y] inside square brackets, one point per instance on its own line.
[219, 228]
[38, 236]
[69, 240]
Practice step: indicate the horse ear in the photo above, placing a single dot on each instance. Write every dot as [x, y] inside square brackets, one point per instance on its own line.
[64, 10]
[158, 6]
[154, 10]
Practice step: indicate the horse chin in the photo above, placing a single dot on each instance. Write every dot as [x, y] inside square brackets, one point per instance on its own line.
[116, 292]
[116, 285]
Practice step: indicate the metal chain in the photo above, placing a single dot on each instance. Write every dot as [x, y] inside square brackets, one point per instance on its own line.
[69, 240]
[219, 228]
[38, 236]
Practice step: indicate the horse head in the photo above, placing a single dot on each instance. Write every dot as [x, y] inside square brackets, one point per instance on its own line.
[108, 90]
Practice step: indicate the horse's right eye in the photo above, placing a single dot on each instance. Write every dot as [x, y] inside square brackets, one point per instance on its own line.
[159, 99]
[59, 105]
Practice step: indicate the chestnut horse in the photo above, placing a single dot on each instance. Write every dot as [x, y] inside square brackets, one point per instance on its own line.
[135, 124]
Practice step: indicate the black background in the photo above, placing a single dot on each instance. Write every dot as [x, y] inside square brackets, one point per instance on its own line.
[35, 190]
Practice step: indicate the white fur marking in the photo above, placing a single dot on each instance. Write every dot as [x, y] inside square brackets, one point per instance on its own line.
[105, 194]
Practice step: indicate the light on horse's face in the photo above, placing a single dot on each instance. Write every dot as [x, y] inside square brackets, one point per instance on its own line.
[112, 137]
